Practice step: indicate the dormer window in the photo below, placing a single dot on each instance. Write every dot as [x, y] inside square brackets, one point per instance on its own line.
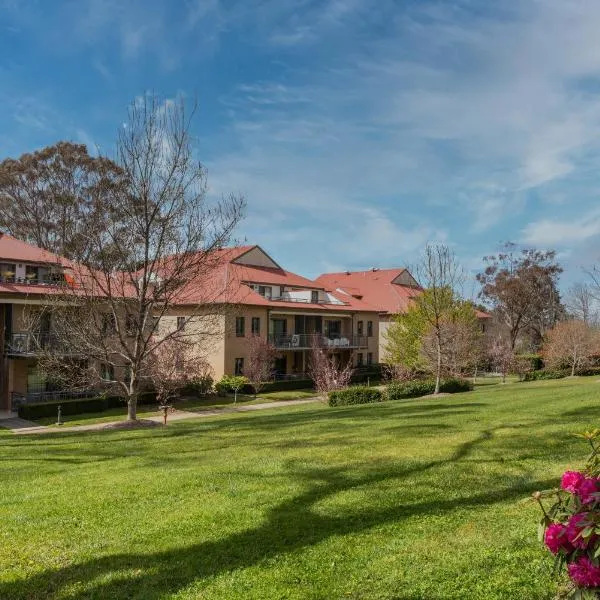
[32, 274]
[265, 291]
[314, 297]
[8, 271]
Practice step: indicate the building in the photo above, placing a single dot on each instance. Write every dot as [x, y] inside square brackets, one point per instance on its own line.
[250, 295]
[27, 275]
[293, 313]
[388, 290]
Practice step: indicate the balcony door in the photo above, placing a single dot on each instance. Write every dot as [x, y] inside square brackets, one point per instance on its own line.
[333, 329]
[279, 328]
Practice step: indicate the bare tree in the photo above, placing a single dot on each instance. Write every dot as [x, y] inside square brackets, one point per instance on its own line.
[500, 354]
[439, 274]
[581, 303]
[51, 196]
[259, 365]
[572, 344]
[522, 289]
[326, 372]
[158, 247]
[460, 343]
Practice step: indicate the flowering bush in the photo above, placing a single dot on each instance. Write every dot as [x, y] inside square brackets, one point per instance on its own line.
[570, 528]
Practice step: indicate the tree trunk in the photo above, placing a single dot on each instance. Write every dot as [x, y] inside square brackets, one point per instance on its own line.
[438, 370]
[132, 408]
[573, 369]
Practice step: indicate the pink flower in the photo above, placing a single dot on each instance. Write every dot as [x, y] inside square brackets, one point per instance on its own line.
[588, 489]
[577, 523]
[584, 573]
[555, 538]
[571, 480]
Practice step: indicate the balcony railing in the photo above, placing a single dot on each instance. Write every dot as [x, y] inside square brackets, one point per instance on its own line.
[306, 300]
[303, 341]
[25, 342]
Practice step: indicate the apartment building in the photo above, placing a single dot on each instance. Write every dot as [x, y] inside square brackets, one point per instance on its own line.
[292, 312]
[251, 295]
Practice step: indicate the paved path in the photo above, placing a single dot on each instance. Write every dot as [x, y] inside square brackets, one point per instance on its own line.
[23, 427]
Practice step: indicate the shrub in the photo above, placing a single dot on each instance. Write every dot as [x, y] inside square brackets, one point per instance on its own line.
[410, 389]
[199, 386]
[229, 384]
[545, 374]
[535, 361]
[588, 371]
[424, 387]
[456, 385]
[355, 395]
[569, 527]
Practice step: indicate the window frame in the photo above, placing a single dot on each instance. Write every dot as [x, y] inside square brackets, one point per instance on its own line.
[360, 328]
[359, 359]
[255, 330]
[240, 327]
[181, 322]
[238, 368]
[369, 328]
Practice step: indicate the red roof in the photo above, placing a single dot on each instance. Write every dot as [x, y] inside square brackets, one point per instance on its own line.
[374, 286]
[17, 251]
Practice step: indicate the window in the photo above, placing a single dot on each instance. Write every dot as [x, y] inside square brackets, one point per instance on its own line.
[314, 297]
[239, 365]
[31, 273]
[240, 326]
[155, 324]
[265, 290]
[8, 271]
[255, 325]
[107, 372]
[359, 328]
[359, 359]
[130, 324]
[369, 328]
[108, 323]
[369, 358]
[181, 323]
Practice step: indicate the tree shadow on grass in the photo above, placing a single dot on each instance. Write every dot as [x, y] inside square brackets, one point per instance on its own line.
[293, 524]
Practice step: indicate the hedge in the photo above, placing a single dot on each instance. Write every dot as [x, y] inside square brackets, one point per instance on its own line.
[545, 374]
[424, 387]
[355, 395]
[38, 410]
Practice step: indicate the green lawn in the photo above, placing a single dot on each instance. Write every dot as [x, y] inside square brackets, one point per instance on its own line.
[192, 404]
[418, 499]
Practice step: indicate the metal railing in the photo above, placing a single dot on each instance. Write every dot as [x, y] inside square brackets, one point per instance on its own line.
[25, 342]
[306, 300]
[17, 398]
[303, 341]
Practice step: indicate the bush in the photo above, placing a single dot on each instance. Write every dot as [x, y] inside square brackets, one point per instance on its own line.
[456, 385]
[424, 387]
[38, 410]
[355, 395]
[410, 389]
[535, 361]
[228, 384]
[588, 371]
[544, 374]
[199, 386]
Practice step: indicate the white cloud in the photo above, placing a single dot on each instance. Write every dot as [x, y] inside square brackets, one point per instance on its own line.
[561, 232]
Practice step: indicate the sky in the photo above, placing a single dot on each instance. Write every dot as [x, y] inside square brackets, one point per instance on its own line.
[357, 130]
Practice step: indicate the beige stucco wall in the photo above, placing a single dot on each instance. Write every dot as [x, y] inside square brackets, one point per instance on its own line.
[384, 323]
[237, 347]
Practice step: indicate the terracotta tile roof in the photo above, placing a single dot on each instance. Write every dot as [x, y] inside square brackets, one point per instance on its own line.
[374, 286]
[15, 250]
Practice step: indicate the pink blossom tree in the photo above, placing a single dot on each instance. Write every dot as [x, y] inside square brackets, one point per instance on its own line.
[259, 364]
[327, 373]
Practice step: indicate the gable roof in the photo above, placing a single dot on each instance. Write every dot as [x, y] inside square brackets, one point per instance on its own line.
[16, 250]
[375, 287]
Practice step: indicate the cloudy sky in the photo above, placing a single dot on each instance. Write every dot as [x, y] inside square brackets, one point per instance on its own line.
[357, 130]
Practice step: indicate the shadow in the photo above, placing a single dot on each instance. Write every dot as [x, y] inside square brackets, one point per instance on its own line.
[293, 524]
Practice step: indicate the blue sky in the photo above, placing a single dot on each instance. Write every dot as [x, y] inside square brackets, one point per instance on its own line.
[357, 130]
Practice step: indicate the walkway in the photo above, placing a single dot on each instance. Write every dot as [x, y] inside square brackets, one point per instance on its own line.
[22, 427]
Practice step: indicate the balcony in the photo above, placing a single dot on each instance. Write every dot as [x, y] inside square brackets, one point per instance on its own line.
[306, 341]
[25, 343]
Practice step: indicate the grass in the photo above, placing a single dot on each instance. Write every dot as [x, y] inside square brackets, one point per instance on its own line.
[415, 499]
[191, 404]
